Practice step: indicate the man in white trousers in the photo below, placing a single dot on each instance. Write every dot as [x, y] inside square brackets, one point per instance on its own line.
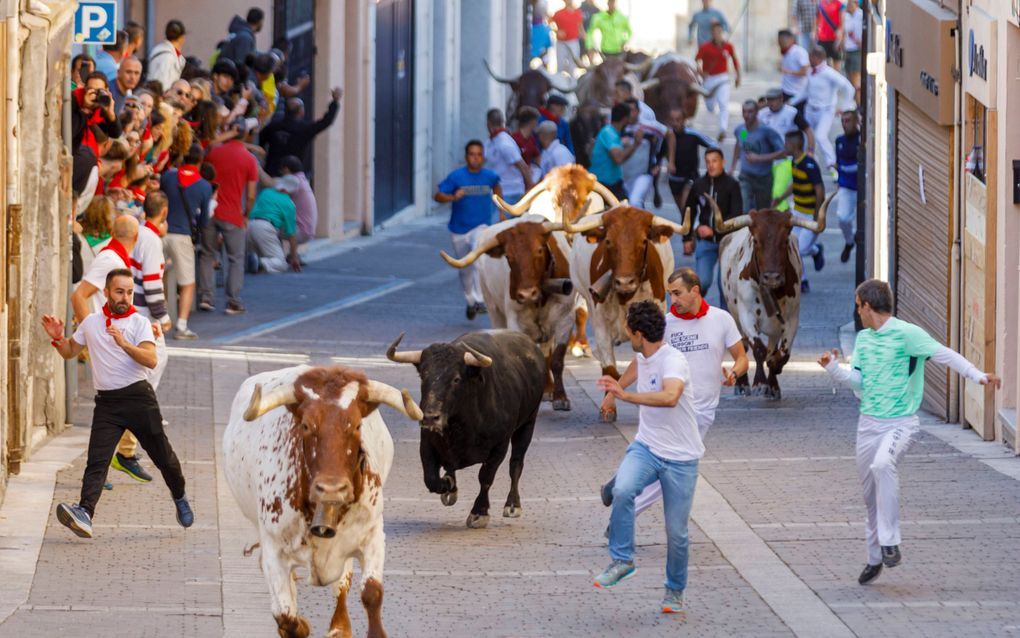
[714, 59]
[826, 91]
[888, 375]
[704, 334]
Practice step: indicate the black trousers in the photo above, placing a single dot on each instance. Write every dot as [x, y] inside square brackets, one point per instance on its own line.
[618, 190]
[133, 408]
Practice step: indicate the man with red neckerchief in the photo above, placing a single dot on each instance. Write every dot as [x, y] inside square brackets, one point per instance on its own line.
[121, 349]
[704, 334]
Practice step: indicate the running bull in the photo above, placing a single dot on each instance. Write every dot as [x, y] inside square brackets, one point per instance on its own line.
[480, 396]
[306, 456]
[760, 266]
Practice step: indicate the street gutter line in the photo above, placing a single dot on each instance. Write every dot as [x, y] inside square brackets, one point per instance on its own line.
[340, 304]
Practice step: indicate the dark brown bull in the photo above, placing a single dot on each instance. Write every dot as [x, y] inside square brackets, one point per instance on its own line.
[675, 83]
[531, 87]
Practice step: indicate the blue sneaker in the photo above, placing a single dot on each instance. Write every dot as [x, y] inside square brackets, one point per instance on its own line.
[618, 570]
[819, 257]
[130, 466]
[673, 603]
[184, 514]
[75, 518]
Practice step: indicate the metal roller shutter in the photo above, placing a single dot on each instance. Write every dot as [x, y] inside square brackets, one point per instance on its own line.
[924, 235]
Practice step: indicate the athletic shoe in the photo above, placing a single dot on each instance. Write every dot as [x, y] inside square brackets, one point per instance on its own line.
[186, 334]
[819, 257]
[234, 308]
[869, 574]
[845, 255]
[891, 555]
[618, 570]
[75, 518]
[471, 311]
[805, 286]
[673, 602]
[206, 306]
[184, 514]
[107, 486]
[607, 492]
[130, 466]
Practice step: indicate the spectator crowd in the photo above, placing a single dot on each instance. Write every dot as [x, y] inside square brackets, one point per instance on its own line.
[209, 158]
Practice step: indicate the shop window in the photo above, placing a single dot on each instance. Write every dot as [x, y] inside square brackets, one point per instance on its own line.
[975, 138]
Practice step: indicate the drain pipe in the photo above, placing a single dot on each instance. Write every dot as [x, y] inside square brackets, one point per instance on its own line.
[70, 365]
[956, 387]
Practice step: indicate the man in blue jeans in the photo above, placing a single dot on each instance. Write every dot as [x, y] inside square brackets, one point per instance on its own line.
[666, 449]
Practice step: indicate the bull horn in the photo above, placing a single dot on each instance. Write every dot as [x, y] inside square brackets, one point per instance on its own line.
[399, 400]
[549, 227]
[521, 206]
[728, 225]
[470, 258]
[563, 84]
[648, 84]
[259, 404]
[585, 224]
[407, 356]
[496, 77]
[700, 90]
[607, 195]
[474, 358]
[816, 225]
[679, 229]
[639, 68]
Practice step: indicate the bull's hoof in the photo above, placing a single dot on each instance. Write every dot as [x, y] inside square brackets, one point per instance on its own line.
[773, 394]
[512, 511]
[607, 416]
[760, 390]
[449, 498]
[742, 391]
[291, 627]
[562, 405]
[477, 521]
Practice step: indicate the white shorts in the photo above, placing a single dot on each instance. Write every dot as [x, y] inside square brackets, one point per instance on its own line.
[180, 253]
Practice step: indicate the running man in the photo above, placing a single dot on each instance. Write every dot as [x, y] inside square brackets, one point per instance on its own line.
[826, 90]
[808, 192]
[122, 348]
[666, 449]
[846, 166]
[888, 375]
[704, 334]
[713, 57]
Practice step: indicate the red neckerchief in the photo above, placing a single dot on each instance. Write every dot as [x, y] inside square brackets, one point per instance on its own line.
[121, 251]
[152, 227]
[497, 132]
[110, 315]
[547, 115]
[783, 51]
[139, 194]
[187, 175]
[177, 51]
[687, 316]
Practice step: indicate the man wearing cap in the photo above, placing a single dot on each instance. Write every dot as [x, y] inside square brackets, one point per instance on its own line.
[166, 60]
[553, 153]
[272, 218]
[783, 118]
[555, 110]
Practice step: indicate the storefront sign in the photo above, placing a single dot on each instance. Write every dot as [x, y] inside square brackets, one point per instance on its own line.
[980, 56]
[920, 53]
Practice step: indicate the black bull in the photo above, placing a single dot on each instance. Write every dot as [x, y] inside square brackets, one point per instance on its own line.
[480, 395]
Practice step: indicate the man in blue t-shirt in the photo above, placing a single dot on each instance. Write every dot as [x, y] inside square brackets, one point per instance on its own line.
[757, 146]
[846, 167]
[470, 189]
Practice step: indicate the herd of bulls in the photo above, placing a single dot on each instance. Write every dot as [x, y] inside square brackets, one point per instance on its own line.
[307, 453]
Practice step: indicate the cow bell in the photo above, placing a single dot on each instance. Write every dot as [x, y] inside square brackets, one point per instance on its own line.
[601, 289]
[558, 287]
[325, 520]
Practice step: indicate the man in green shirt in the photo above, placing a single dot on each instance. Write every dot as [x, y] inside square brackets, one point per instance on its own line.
[613, 27]
[888, 375]
[273, 217]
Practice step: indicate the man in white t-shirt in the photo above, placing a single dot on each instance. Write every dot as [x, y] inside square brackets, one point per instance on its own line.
[666, 449]
[503, 156]
[794, 66]
[122, 347]
[704, 334]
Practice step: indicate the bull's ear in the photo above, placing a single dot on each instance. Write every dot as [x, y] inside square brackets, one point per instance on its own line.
[595, 235]
[659, 234]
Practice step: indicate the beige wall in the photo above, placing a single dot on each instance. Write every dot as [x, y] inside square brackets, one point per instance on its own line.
[207, 22]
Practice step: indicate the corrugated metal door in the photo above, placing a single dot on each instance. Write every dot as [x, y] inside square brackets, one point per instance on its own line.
[394, 107]
[924, 223]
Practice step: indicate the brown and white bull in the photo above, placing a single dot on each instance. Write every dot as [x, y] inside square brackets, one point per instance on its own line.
[525, 279]
[306, 455]
[760, 267]
[622, 256]
[567, 192]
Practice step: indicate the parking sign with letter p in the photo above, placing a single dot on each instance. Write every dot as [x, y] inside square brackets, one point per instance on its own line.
[95, 22]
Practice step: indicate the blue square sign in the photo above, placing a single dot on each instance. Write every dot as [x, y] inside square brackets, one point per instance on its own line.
[95, 22]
